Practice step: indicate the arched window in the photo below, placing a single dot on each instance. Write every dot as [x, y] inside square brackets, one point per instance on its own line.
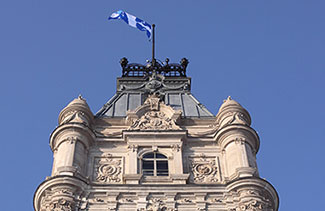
[154, 164]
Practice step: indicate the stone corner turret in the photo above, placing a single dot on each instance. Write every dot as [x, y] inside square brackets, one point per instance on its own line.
[238, 141]
[77, 111]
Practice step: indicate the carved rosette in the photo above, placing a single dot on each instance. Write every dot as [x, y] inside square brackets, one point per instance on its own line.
[203, 170]
[108, 169]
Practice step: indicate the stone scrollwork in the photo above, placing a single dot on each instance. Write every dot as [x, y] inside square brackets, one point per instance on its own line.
[75, 117]
[253, 205]
[61, 205]
[238, 118]
[203, 170]
[216, 200]
[176, 147]
[158, 204]
[109, 169]
[132, 147]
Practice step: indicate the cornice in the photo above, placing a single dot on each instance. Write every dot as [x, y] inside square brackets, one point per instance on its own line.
[57, 181]
[233, 129]
[249, 182]
[74, 126]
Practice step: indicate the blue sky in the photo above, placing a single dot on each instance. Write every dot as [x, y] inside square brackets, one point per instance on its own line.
[267, 54]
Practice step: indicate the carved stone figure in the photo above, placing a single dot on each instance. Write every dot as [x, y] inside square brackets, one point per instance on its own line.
[154, 120]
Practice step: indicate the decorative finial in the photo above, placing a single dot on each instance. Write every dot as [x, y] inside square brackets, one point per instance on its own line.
[184, 63]
[228, 98]
[124, 61]
[166, 60]
[80, 97]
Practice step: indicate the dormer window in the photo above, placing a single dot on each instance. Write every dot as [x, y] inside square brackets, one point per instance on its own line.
[154, 164]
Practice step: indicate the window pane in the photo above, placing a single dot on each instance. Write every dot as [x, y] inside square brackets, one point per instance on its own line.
[162, 165]
[147, 172]
[160, 156]
[148, 155]
[162, 173]
[147, 164]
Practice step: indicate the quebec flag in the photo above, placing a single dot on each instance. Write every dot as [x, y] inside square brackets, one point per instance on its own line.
[132, 21]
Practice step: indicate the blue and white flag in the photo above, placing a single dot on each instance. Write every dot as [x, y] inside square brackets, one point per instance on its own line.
[132, 21]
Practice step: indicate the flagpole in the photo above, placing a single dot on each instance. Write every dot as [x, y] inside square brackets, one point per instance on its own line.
[153, 45]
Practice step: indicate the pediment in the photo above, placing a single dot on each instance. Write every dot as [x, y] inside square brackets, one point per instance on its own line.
[153, 115]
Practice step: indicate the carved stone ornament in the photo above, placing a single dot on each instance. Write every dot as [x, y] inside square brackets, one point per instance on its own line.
[109, 170]
[155, 84]
[153, 102]
[253, 205]
[238, 118]
[176, 147]
[74, 117]
[153, 115]
[157, 204]
[203, 170]
[154, 120]
[132, 147]
[61, 205]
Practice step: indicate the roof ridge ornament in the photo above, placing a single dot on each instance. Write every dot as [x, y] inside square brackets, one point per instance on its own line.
[155, 83]
[163, 68]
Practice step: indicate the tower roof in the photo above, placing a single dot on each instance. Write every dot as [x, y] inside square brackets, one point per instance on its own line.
[169, 81]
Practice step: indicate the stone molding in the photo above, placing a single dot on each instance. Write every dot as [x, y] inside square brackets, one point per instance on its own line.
[246, 194]
[79, 131]
[238, 133]
[62, 193]
[245, 190]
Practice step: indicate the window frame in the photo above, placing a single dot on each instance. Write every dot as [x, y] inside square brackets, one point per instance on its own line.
[156, 172]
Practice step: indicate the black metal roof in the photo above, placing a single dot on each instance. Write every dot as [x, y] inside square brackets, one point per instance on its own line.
[169, 81]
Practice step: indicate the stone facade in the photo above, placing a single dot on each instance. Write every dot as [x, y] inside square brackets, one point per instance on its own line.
[99, 162]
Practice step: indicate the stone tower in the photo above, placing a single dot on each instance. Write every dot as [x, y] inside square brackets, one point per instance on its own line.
[154, 146]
